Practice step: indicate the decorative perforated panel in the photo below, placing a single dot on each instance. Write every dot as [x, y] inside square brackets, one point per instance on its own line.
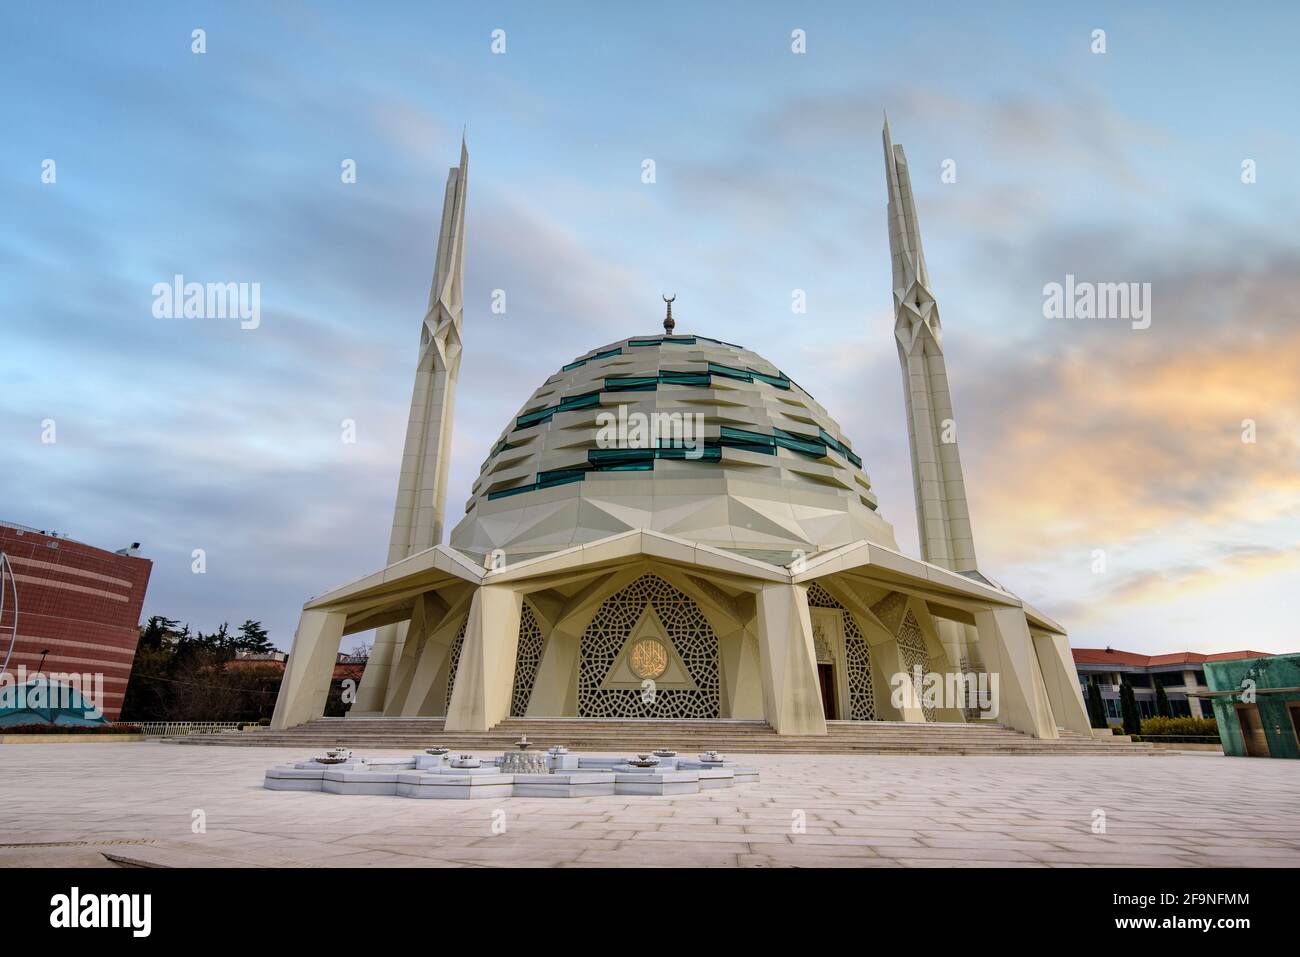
[526, 661]
[862, 698]
[456, 644]
[691, 635]
[911, 645]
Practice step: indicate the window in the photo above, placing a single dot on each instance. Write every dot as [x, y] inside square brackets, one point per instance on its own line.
[599, 355]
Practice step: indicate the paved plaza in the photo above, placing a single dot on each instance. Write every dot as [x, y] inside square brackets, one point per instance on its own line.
[73, 804]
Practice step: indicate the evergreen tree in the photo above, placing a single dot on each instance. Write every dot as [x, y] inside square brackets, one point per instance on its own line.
[1096, 706]
[146, 697]
[157, 632]
[1129, 708]
[1162, 702]
[253, 637]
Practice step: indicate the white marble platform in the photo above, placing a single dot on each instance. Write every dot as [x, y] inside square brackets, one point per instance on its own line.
[566, 785]
[455, 784]
[653, 781]
[572, 775]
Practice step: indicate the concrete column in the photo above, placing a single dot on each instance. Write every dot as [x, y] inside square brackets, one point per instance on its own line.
[1008, 654]
[904, 695]
[551, 697]
[420, 700]
[310, 669]
[1062, 682]
[373, 690]
[403, 670]
[792, 701]
[742, 685]
[486, 674]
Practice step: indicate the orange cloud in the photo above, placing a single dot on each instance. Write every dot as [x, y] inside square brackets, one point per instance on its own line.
[1127, 441]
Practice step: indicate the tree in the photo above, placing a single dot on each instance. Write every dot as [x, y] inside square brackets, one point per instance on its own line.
[253, 637]
[1096, 707]
[1162, 701]
[157, 632]
[1129, 708]
[179, 675]
[146, 697]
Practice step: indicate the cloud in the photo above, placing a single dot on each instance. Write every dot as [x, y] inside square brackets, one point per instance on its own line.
[1229, 567]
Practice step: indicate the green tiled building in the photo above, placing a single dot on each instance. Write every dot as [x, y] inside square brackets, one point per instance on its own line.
[1257, 704]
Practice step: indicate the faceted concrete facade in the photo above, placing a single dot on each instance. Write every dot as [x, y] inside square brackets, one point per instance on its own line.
[462, 648]
[769, 474]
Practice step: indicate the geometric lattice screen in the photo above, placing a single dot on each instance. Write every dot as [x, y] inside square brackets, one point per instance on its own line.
[456, 645]
[911, 646]
[526, 661]
[862, 699]
[691, 635]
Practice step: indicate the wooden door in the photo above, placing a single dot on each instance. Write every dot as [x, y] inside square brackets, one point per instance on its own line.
[1252, 730]
[826, 677]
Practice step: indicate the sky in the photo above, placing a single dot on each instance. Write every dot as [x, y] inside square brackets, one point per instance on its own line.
[1109, 480]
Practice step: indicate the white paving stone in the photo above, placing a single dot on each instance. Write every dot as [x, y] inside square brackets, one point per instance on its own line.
[858, 811]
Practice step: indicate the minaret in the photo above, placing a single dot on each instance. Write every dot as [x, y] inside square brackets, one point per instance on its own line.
[422, 484]
[942, 516]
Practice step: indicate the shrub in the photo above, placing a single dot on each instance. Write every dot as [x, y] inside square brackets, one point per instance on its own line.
[71, 729]
[1186, 727]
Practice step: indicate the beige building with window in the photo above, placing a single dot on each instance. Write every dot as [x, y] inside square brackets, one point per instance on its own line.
[672, 527]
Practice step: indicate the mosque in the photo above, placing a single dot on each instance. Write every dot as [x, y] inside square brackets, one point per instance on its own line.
[729, 562]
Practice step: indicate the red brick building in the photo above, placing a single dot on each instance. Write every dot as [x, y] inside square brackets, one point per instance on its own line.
[78, 609]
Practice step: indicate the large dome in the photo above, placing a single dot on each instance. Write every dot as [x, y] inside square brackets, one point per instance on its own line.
[772, 477]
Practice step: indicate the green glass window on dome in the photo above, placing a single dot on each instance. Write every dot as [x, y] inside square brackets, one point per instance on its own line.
[749, 375]
[746, 440]
[645, 341]
[579, 363]
[799, 443]
[631, 383]
[685, 378]
[840, 447]
[569, 403]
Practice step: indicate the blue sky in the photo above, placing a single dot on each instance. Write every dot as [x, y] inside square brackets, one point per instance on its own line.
[224, 166]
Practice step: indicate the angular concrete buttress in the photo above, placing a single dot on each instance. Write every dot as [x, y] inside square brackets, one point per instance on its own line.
[307, 676]
[486, 675]
[1061, 681]
[792, 699]
[1009, 654]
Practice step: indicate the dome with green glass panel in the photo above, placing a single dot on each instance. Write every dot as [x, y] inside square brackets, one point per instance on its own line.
[693, 437]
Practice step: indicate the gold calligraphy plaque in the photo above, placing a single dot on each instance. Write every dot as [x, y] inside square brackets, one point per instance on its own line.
[649, 658]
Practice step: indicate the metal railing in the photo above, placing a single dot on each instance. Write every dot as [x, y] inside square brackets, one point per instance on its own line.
[181, 729]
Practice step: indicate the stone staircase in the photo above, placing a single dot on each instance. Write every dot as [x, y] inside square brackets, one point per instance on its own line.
[688, 736]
